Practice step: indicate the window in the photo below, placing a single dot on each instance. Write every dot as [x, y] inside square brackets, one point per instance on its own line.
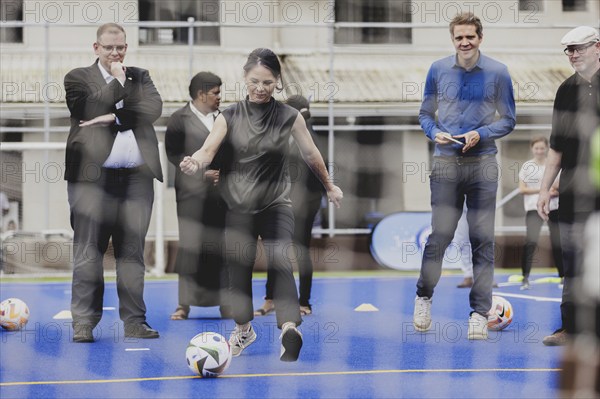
[574, 5]
[373, 11]
[179, 10]
[531, 5]
[11, 10]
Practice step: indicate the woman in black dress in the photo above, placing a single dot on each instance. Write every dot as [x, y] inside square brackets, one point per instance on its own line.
[255, 184]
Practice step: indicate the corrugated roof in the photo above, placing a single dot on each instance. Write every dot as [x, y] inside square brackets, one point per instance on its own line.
[401, 78]
[23, 74]
[357, 77]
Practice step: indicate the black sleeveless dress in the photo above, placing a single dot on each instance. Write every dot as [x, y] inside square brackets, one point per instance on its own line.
[254, 173]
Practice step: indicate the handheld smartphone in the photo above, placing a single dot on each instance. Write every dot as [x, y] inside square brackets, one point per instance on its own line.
[455, 140]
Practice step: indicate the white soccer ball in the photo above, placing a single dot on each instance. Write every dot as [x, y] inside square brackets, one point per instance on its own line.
[14, 314]
[208, 354]
[500, 315]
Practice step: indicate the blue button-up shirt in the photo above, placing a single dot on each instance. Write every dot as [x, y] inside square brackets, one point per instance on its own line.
[468, 100]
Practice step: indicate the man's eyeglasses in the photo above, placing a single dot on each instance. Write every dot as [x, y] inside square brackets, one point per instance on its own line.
[109, 49]
[579, 49]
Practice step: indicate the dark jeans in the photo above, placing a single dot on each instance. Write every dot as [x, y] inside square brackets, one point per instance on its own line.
[118, 205]
[452, 182]
[304, 216]
[275, 226]
[534, 223]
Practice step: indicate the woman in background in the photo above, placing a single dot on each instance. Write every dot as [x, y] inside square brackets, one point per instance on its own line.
[530, 180]
[306, 194]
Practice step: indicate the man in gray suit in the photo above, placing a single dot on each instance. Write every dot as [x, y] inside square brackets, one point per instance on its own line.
[111, 162]
[203, 278]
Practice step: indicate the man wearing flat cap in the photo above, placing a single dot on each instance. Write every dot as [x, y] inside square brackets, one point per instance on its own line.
[576, 115]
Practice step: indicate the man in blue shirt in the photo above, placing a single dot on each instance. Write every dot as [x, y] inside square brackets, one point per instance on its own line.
[467, 90]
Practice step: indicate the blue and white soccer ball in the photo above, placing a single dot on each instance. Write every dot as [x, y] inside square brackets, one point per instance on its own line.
[208, 354]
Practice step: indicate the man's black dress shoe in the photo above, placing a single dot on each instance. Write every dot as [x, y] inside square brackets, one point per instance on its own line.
[83, 333]
[140, 330]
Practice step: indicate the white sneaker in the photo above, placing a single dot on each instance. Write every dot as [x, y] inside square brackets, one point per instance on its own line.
[422, 314]
[478, 326]
[240, 339]
[291, 342]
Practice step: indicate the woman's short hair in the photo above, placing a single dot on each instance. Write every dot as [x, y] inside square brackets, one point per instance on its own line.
[538, 139]
[301, 104]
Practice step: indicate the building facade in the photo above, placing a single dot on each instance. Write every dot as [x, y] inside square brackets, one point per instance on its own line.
[364, 74]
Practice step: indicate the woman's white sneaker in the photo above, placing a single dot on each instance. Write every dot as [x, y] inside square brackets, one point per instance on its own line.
[241, 337]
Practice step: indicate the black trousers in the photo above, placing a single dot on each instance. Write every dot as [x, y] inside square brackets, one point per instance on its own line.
[304, 216]
[572, 237]
[203, 278]
[117, 205]
[275, 226]
[534, 223]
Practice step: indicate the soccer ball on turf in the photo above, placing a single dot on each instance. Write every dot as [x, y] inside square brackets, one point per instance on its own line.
[208, 354]
[14, 314]
[500, 315]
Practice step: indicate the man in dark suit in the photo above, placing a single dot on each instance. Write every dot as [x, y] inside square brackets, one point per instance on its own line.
[111, 161]
[203, 279]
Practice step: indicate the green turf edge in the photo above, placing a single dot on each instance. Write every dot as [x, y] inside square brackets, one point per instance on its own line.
[8, 278]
